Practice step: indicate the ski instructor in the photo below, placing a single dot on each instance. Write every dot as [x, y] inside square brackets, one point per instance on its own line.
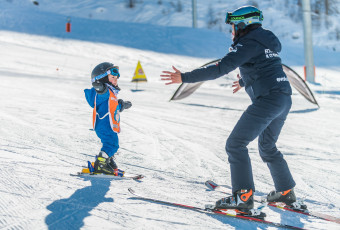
[255, 51]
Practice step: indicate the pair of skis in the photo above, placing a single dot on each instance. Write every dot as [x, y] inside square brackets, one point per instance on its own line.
[297, 208]
[209, 209]
[213, 211]
[255, 215]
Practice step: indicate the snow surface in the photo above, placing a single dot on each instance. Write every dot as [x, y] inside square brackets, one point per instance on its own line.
[45, 131]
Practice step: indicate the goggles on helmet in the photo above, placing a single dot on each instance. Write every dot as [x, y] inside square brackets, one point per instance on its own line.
[113, 71]
[227, 19]
[231, 19]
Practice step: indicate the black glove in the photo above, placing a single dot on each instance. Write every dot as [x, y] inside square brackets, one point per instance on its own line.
[124, 104]
[100, 88]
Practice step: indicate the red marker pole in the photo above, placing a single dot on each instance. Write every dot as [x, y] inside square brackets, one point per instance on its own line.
[68, 25]
[305, 72]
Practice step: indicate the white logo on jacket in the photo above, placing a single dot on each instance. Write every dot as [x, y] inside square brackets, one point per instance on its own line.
[234, 49]
[270, 54]
[279, 79]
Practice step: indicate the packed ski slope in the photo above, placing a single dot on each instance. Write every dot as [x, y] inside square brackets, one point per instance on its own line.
[46, 134]
[46, 126]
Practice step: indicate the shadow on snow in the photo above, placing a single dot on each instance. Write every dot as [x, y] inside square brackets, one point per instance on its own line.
[304, 110]
[70, 213]
[330, 92]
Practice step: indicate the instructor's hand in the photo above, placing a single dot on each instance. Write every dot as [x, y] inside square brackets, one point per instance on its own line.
[172, 77]
[236, 84]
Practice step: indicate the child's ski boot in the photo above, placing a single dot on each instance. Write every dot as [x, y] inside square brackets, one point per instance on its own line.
[106, 165]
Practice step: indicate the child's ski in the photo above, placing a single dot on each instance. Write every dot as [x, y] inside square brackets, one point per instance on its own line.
[213, 211]
[89, 172]
[109, 176]
[213, 186]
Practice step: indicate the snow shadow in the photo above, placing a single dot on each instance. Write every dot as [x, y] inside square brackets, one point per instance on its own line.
[304, 110]
[70, 213]
[211, 107]
[288, 217]
[330, 92]
[230, 221]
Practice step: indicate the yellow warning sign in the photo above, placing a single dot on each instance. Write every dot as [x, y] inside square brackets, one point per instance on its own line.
[139, 75]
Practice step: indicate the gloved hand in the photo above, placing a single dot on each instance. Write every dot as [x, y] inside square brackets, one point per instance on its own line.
[124, 104]
[100, 88]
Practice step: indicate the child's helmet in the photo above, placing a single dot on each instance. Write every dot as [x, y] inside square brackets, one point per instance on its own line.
[244, 16]
[101, 71]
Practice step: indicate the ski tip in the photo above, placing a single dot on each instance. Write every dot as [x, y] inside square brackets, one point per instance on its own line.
[139, 177]
[211, 185]
[131, 190]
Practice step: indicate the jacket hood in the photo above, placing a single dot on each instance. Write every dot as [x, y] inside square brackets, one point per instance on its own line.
[266, 38]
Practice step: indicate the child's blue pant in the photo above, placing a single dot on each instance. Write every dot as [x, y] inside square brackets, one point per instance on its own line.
[109, 140]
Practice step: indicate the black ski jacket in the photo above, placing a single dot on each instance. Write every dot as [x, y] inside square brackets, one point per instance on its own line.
[256, 55]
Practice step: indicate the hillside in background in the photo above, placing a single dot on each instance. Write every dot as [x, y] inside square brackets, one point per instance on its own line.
[283, 17]
[157, 26]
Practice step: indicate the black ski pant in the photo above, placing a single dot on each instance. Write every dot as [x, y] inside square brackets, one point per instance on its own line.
[263, 119]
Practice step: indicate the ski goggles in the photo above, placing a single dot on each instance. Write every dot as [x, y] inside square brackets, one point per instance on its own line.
[113, 71]
[227, 19]
[230, 19]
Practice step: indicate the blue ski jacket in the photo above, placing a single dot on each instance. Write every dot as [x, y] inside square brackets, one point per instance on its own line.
[103, 121]
[256, 55]
[103, 129]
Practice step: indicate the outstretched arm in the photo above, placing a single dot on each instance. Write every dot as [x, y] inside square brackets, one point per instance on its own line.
[172, 77]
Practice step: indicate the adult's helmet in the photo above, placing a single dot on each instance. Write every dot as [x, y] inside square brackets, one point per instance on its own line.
[100, 72]
[244, 16]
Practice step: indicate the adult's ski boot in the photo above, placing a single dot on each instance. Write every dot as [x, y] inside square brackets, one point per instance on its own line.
[242, 202]
[287, 197]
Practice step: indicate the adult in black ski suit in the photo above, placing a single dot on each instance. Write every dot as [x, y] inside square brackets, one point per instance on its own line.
[255, 51]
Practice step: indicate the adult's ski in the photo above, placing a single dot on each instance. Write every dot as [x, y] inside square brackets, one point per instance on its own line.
[211, 211]
[213, 186]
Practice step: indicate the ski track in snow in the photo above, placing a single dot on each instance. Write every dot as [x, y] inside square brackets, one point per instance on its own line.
[45, 135]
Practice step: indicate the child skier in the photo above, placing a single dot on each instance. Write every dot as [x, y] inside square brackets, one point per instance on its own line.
[102, 97]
